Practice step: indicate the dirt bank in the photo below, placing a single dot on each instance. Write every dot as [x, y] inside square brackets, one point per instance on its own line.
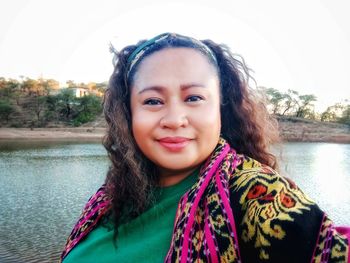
[302, 130]
[84, 133]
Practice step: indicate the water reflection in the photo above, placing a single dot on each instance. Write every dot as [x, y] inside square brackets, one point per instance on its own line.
[43, 190]
[329, 173]
[45, 185]
[322, 171]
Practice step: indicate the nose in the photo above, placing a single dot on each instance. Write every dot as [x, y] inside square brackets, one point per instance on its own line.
[175, 117]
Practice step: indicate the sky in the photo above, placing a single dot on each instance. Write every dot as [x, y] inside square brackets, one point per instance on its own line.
[299, 45]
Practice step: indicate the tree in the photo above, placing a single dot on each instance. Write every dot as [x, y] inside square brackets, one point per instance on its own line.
[71, 84]
[2, 83]
[39, 105]
[101, 88]
[66, 101]
[290, 100]
[82, 85]
[30, 86]
[5, 91]
[53, 84]
[6, 109]
[305, 107]
[328, 115]
[275, 99]
[53, 107]
[10, 89]
[89, 107]
[46, 86]
[345, 115]
[15, 88]
[333, 113]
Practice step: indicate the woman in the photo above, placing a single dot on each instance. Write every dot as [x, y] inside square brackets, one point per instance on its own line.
[191, 177]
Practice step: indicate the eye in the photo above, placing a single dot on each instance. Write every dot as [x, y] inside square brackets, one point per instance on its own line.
[194, 98]
[152, 101]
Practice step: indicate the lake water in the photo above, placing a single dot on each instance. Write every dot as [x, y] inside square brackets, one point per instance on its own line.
[45, 185]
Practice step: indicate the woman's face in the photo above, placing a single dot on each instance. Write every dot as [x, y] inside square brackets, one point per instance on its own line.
[175, 107]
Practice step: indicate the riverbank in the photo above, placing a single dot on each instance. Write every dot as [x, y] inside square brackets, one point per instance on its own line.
[79, 133]
[292, 130]
[303, 130]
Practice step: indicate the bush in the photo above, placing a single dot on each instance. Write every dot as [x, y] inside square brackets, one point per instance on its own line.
[16, 125]
[82, 118]
[6, 109]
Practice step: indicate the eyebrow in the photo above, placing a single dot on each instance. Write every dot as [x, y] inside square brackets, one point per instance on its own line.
[161, 89]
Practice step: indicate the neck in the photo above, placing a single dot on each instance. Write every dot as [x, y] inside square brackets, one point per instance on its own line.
[170, 177]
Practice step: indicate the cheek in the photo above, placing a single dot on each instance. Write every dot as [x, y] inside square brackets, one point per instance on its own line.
[138, 124]
[142, 124]
[139, 130]
[208, 120]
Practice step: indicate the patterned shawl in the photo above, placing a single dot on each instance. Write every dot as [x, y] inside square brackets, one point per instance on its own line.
[239, 211]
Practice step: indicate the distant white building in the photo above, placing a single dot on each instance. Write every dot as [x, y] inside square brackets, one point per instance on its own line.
[80, 92]
[77, 92]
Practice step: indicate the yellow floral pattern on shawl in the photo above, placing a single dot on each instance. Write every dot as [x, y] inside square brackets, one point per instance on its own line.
[267, 198]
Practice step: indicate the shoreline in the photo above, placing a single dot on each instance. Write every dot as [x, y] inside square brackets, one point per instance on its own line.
[95, 134]
[53, 134]
[302, 130]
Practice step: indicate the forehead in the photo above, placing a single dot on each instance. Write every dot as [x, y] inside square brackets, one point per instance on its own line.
[183, 63]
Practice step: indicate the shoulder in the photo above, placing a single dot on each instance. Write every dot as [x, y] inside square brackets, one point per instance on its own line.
[255, 180]
[259, 186]
[272, 212]
[274, 215]
[97, 206]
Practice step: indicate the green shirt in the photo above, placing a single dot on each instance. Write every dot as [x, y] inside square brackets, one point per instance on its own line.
[146, 238]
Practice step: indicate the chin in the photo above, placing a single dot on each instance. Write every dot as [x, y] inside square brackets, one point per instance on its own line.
[175, 164]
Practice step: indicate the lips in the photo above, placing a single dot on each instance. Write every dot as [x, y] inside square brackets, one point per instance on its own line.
[174, 139]
[174, 144]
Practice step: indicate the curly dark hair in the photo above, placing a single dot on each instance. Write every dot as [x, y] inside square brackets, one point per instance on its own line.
[246, 125]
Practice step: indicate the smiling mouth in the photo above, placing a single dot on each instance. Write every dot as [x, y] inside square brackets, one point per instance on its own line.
[174, 144]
